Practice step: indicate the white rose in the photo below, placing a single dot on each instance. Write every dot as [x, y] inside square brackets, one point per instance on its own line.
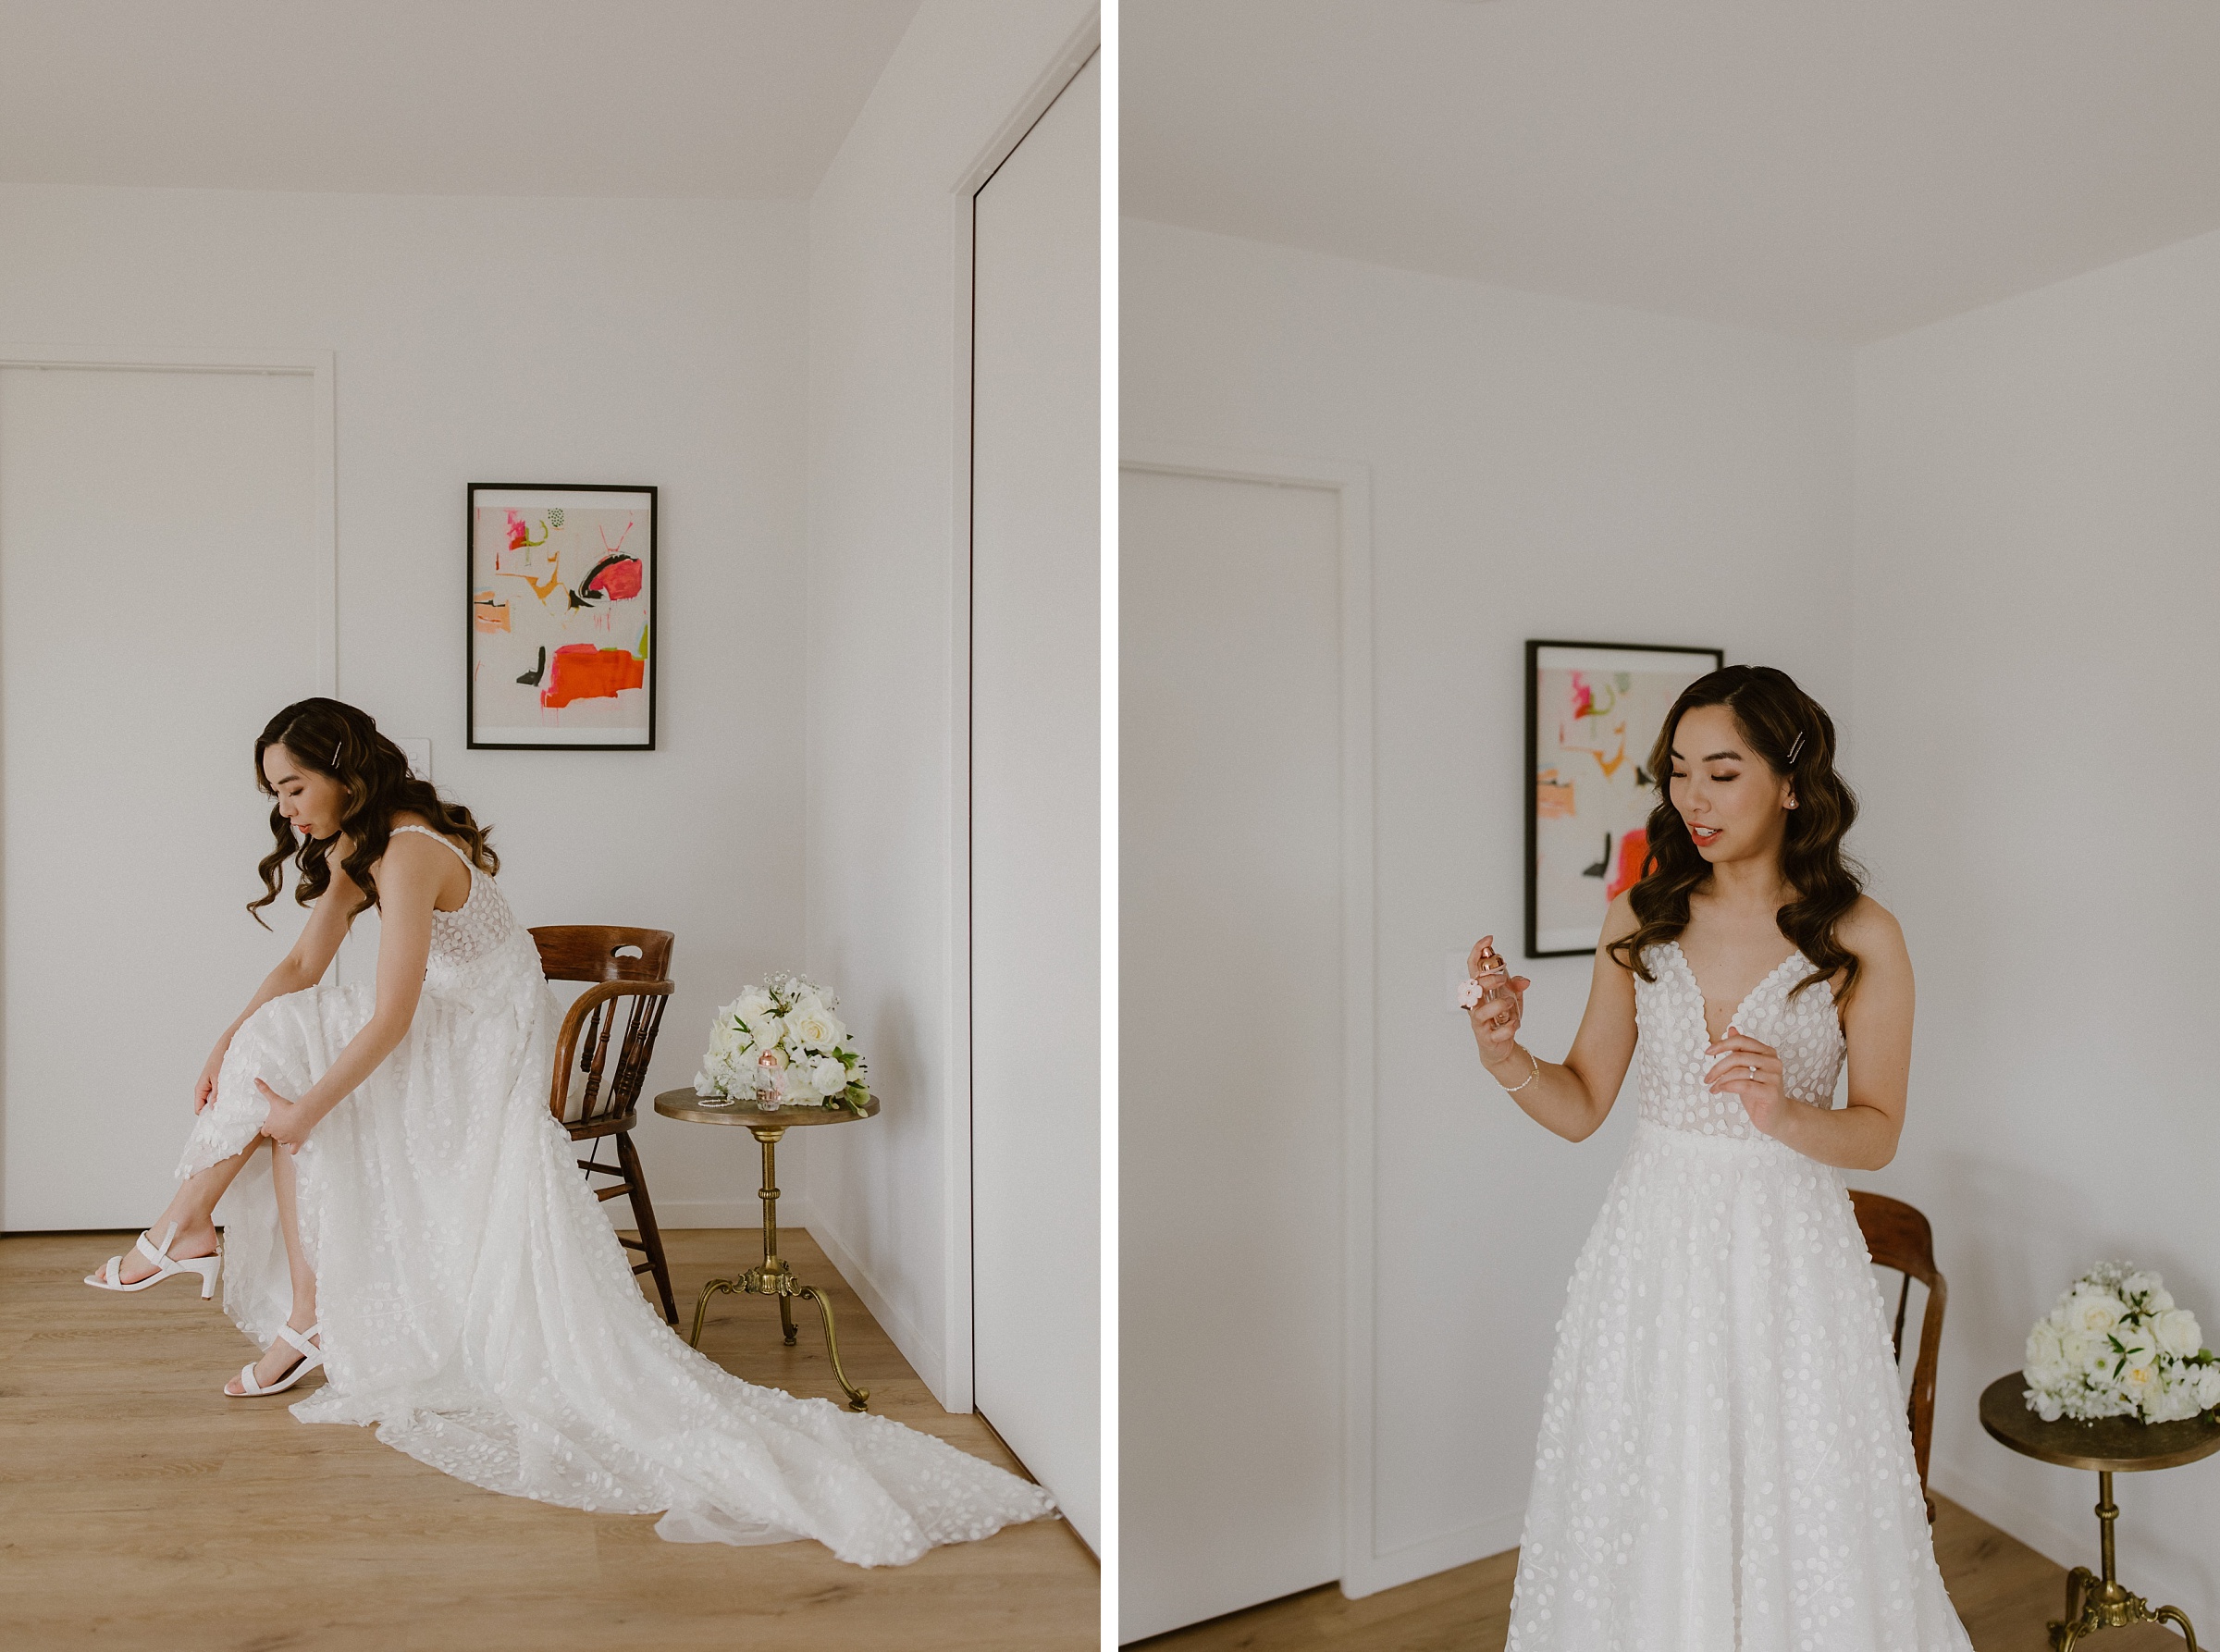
[2175, 1333]
[727, 1039]
[817, 1026]
[2046, 1346]
[2094, 1310]
[2208, 1386]
[830, 1076]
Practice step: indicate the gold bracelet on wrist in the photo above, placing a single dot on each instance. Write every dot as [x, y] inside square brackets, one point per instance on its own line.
[1530, 1077]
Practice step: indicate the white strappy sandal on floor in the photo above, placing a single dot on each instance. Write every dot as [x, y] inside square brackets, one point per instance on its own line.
[311, 1357]
[210, 1268]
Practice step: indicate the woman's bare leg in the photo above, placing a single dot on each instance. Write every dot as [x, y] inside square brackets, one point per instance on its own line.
[282, 1356]
[192, 1208]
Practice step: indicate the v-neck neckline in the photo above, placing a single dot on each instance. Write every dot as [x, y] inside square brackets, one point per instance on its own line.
[1703, 999]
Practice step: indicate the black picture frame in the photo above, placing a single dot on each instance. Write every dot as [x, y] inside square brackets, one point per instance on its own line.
[1531, 781]
[480, 734]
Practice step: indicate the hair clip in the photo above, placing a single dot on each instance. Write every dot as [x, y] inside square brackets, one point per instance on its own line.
[1796, 747]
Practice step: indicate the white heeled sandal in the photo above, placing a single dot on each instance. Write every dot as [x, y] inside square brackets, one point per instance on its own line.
[210, 1268]
[311, 1357]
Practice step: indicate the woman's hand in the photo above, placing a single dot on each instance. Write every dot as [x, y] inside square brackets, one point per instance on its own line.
[1495, 1003]
[204, 1091]
[288, 1122]
[1752, 1071]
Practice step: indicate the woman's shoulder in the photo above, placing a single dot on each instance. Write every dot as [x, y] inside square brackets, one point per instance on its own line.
[1868, 926]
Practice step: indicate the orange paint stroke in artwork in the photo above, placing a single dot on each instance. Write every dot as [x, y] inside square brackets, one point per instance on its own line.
[1611, 765]
[1553, 796]
[1633, 850]
[582, 671]
[489, 614]
[539, 590]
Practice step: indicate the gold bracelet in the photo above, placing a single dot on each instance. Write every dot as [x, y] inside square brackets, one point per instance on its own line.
[1530, 1077]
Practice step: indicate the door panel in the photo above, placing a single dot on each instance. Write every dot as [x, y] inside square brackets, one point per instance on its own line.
[157, 604]
[1230, 1021]
[1036, 804]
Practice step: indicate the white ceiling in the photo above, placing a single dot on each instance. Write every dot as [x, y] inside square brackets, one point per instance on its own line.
[1834, 169]
[746, 98]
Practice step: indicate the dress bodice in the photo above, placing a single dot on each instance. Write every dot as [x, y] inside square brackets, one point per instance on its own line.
[1669, 1016]
[480, 940]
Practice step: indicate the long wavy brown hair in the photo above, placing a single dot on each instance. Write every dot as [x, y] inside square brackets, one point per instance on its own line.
[1772, 713]
[332, 738]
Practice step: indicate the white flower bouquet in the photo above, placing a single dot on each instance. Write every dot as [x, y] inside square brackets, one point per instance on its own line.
[2116, 1346]
[782, 1045]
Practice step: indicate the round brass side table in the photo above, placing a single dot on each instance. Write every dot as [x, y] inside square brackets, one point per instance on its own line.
[771, 1277]
[2111, 1446]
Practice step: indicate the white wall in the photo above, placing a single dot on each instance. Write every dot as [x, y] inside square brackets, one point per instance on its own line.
[2037, 627]
[514, 339]
[1540, 468]
[886, 357]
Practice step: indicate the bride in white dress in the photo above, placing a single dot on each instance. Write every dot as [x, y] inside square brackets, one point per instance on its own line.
[1724, 1460]
[419, 1231]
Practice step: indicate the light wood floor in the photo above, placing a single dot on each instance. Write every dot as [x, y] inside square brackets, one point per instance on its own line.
[2004, 1590]
[139, 1508]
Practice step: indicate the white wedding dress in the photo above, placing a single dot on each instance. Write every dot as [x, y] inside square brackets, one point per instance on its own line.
[1724, 1460]
[476, 1304]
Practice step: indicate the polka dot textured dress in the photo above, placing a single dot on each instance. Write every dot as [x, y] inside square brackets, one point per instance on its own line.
[1724, 1461]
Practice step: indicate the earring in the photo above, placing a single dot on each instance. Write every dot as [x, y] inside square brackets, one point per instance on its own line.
[1790, 804]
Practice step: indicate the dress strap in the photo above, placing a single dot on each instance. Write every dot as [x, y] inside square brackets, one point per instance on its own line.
[437, 838]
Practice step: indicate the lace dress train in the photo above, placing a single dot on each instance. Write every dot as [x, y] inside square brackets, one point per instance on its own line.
[478, 1310]
[1724, 1460]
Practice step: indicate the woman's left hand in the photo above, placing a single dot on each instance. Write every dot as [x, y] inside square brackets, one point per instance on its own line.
[289, 1121]
[1752, 1071]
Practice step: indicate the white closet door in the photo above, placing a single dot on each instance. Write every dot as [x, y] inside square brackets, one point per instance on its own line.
[1230, 1018]
[1035, 803]
[158, 603]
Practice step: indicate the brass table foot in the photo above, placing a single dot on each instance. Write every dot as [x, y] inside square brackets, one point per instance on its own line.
[2092, 1606]
[783, 1284]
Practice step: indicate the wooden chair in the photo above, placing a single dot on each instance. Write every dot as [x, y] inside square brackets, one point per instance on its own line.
[623, 963]
[1898, 1236]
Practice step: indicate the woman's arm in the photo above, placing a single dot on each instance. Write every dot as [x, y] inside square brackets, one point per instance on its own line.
[301, 969]
[1877, 1025]
[408, 879]
[1572, 1098]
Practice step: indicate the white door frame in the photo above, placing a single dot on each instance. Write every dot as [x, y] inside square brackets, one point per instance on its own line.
[1360, 1572]
[313, 364]
[956, 1141]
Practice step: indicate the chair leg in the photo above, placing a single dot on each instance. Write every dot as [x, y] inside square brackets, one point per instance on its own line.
[643, 1213]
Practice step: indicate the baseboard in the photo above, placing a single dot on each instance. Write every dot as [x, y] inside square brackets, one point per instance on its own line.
[924, 1355]
[2009, 1514]
[794, 1211]
[1363, 1576]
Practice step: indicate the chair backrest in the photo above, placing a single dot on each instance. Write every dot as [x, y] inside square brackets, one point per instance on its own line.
[626, 963]
[602, 952]
[1898, 1236]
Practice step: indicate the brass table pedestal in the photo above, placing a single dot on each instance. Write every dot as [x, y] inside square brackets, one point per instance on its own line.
[772, 1277]
[2111, 1445]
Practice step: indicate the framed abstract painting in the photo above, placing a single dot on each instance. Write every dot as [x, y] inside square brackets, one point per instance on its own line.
[561, 618]
[1593, 711]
